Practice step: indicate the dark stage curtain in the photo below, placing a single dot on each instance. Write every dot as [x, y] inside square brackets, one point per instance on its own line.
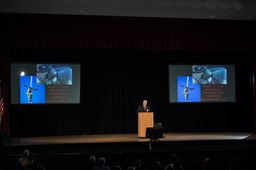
[112, 87]
[113, 84]
[115, 89]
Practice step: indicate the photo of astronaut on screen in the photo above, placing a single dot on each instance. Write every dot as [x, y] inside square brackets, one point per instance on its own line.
[30, 91]
[209, 74]
[187, 91]
[54, 74]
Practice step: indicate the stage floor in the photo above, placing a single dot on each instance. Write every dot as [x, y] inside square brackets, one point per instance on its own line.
[119, 138]
[130, 144]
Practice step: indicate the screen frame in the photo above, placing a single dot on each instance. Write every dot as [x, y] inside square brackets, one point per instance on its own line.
[15, 91]
[170, 78]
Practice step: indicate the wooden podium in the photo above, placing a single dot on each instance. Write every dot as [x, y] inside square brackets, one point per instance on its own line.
[145, 119]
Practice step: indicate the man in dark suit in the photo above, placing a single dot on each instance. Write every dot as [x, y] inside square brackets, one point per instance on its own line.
[144, 107]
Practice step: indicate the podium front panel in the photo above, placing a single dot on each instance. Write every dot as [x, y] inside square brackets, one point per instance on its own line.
[145, 119]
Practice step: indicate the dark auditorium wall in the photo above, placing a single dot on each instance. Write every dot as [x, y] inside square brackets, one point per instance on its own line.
[89, 39]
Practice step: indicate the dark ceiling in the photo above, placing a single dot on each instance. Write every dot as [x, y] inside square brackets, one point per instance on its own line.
[199, 9]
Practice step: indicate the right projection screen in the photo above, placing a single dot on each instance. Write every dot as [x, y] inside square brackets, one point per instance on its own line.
[201, 83]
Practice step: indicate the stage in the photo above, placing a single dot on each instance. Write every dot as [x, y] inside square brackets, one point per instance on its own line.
[131, 142]
[117, 138]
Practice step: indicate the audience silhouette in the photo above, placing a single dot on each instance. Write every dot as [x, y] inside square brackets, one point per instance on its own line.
[101, 165]
[24, 160]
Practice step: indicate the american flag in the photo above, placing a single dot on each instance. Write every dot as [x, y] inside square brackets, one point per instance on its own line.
[1, 105]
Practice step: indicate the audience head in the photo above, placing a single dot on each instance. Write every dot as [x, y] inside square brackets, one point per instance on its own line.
[130, 168]
[25, 159]
[117, 167]
[169, 167]
[92, 160]
[156, 165]
[101, 161]
[26, 153]
[138, 163]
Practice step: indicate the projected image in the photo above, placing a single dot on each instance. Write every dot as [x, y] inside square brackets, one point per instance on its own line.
[46, 83]
[205, 74]
[202, 83]
[30, 91]
[54, 74]
[187, 91]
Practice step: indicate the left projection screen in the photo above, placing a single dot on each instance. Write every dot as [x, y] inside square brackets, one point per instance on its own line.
[45, 83]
